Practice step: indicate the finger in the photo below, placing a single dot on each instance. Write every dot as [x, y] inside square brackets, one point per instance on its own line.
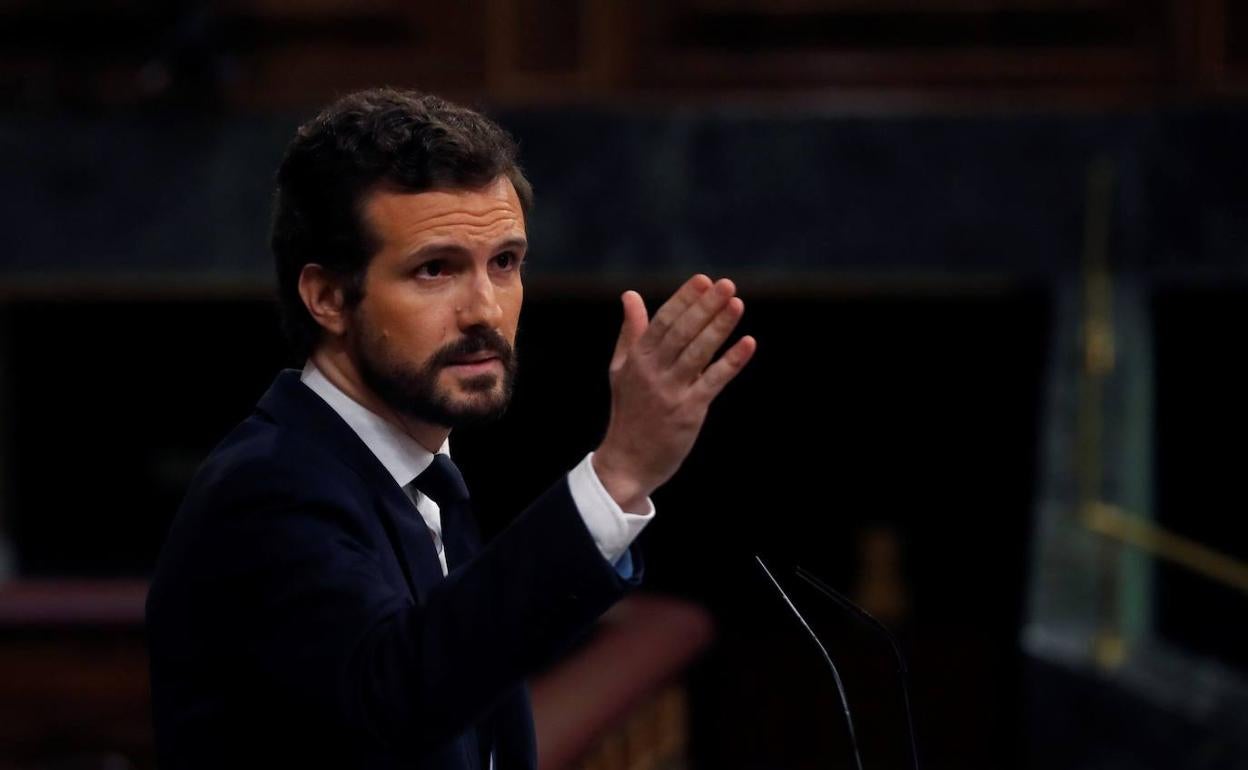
[692, 323]
[631, 328]
[699, 352]
[666, 315]
[722, 372]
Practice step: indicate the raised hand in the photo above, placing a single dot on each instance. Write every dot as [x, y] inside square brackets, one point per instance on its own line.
[663, 382]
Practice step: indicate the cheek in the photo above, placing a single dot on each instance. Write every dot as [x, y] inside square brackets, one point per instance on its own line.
[412, 333]
[511, 312]
[425, 340]
[422, 315]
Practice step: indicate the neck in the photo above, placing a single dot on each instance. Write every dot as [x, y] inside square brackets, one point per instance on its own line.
[340, 369]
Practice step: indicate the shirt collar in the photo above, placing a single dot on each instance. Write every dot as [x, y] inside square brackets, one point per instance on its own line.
[402, 455]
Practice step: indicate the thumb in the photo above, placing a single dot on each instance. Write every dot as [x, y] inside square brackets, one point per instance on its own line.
[634, 325]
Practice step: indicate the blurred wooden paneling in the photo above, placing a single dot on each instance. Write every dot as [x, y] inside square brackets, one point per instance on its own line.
[617, 702]
[298, 57]
[73, 675]
[906, 45]
[75, 692]
[1235, 34]
[279, 53]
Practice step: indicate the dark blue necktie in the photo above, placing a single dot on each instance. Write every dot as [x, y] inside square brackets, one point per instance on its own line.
[444, 484]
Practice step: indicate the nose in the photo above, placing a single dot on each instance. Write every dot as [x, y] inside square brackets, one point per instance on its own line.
[480, 305]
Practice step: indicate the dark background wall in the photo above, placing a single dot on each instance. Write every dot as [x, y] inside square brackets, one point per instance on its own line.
[901, 191]
[916, 414]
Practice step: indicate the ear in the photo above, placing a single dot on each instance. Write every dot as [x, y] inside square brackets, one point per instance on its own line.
[323, 296]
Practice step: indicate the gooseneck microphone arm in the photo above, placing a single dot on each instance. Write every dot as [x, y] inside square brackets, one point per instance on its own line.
[871, 621]
[840, 687]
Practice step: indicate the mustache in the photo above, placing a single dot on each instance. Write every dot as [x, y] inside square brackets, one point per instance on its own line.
[482, 340]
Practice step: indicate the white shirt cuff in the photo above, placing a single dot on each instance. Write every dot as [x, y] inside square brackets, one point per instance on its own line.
[612, 528]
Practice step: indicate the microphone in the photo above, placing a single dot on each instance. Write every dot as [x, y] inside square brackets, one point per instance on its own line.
[836, 674]
[871, 622]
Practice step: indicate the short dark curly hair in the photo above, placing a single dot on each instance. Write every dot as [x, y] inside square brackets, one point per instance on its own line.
[403, 139]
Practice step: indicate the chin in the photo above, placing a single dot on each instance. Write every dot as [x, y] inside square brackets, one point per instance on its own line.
[482, 397]
[477, 400]
[476, 413]
[481, 384]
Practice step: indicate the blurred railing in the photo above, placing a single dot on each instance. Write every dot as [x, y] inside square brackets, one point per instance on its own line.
[74, 686]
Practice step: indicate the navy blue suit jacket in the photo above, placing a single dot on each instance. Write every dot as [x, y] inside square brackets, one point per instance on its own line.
[295, 620]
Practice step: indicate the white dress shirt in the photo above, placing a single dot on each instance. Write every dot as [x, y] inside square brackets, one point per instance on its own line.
[612, 528]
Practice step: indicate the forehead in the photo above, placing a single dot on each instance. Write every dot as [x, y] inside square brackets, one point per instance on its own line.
[406, 220]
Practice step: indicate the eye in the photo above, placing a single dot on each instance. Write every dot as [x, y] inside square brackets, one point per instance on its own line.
[431, 269]
[507, 260]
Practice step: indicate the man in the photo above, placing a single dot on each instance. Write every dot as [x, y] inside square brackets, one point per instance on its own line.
[322, 599]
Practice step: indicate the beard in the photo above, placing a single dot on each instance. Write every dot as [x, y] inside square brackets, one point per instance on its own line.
[414, 390]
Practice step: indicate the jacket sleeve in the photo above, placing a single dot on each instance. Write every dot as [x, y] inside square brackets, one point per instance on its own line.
[307, 610]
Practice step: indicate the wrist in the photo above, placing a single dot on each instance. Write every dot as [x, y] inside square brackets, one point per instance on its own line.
[622, 486]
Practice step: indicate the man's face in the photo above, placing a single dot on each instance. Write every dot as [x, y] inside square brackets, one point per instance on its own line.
[433, 335]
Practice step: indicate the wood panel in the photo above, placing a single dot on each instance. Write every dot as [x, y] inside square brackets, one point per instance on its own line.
[280, 53]
[75, 692]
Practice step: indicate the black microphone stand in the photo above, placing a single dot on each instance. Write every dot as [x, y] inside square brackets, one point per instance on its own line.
[870, 620]
[840, 687]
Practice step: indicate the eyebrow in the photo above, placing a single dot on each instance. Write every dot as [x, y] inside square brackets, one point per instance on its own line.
[455, 250]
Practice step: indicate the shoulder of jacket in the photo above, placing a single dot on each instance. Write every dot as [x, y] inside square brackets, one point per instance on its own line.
[261, 459]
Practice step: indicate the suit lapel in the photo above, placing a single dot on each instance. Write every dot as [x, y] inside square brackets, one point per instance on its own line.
[294, 406]
[459, 534]
[411, 539]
